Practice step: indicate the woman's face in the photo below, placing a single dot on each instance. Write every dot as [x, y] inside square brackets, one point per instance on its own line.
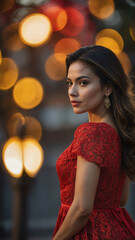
[84, 89]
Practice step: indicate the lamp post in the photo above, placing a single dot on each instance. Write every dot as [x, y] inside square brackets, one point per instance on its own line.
[22, 157]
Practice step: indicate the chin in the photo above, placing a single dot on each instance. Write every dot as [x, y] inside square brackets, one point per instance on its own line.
[78, 112]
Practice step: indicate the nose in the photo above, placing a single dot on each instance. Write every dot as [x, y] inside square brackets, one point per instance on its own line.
[73, 91]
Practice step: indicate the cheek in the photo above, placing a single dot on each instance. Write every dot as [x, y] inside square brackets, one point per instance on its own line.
[93, 93]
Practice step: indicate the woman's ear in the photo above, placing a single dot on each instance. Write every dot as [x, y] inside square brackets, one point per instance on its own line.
[108, 90]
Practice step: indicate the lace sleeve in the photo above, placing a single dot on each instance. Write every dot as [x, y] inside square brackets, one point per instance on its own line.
[90, 144]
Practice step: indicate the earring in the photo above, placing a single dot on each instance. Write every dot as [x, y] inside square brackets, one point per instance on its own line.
[107, 102]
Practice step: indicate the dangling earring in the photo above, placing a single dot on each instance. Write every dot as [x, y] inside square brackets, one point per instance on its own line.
[107, 102]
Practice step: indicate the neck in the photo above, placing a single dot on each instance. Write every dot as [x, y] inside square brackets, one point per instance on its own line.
[105, 116]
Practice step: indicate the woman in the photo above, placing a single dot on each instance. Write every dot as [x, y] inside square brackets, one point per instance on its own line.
[94, 171]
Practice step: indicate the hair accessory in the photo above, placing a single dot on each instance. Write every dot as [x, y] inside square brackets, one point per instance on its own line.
[107, 102]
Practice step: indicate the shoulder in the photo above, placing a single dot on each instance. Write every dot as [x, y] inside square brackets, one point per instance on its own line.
[99, 130]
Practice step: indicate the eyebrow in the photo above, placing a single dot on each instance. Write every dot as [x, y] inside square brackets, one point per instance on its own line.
[79, 78]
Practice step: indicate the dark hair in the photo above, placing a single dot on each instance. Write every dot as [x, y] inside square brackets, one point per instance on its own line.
[107, 67]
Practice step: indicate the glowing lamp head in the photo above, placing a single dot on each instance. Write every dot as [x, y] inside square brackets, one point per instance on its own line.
[22, 155]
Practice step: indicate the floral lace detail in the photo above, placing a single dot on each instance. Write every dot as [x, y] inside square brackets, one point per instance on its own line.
[99, 143]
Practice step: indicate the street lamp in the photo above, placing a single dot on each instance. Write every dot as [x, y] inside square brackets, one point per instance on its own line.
[22, 158]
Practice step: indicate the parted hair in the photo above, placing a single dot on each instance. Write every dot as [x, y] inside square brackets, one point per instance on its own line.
[108, 68]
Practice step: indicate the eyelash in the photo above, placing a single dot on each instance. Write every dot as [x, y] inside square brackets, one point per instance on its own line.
[84, 82]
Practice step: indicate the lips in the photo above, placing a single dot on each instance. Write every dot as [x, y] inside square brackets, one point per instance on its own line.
[75, 103]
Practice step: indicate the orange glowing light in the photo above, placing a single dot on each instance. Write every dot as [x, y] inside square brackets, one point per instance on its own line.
[111, 39]
[101, 9]
[22, 155]
[8, 73]
[14, 124]
[28, 93]
[71, 46]
[0, 57]
[11, 39]
[6, 5]
[33, 128]
[57, 16]
[33, 156]
[35, 30]
[132, 31]
[125, 62]
[75, 22]
[12, 157]
[59, 68]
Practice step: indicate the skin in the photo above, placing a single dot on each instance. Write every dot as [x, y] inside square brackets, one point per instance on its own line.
[84, 87]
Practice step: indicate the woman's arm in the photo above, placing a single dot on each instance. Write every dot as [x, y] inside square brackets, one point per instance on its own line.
[87, 177]
[125, 192]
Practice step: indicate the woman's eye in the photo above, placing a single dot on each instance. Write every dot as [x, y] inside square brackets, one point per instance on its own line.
[83, 83]
[69, 83]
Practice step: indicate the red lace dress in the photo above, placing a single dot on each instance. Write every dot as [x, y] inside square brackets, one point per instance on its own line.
[99, 143]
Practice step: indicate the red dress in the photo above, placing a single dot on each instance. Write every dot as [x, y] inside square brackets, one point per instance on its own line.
[99, 143]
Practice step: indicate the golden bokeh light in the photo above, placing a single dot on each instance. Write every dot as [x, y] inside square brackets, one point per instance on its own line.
[54, 67]
[0, 57]
[11, 39]
[33, 156]
[57, 16]
[12, 157]
[111, 39]
[28, 92]
[15, 123]
[35, 29]
[101, 9]
[75, 22]
[132, 31]
[8, 73]
[71, 46]
[22, 155]
[125, 62]
[32, 126]
[6, 5]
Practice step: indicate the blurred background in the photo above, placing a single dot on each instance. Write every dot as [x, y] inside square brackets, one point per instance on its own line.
[36, 120]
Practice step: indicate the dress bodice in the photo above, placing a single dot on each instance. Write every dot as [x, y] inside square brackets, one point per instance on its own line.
[100, 143]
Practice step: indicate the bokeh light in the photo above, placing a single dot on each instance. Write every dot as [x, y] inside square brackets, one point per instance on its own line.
[35, 29]
[132, 30]
[71, 46]
[57, 16]
[55, 67]
[11, 39]
[111, 39]
[101, 8]
[8, 73]
[32, 126]
[5, 5]
[19, 155]
[14, 124]
[12, 157]
[28, 92]
[125, 62]
[75, 22]
[0, 57]
[33, 156]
